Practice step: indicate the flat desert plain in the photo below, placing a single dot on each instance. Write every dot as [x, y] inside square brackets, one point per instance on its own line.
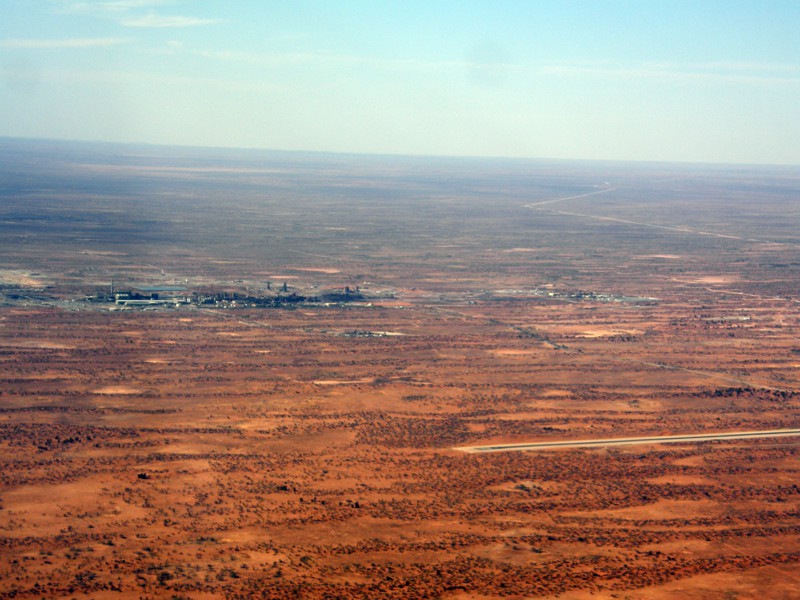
[293, 424]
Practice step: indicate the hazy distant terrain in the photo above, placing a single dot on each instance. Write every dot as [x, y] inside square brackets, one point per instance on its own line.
[309, 449]
[458, 220]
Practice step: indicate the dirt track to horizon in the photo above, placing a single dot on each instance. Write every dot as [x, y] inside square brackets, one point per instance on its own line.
[308, 451]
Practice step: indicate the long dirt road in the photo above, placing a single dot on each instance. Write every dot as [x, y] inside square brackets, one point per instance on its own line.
[662, 439]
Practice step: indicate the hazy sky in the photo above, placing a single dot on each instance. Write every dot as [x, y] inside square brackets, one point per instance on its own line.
[642, 79]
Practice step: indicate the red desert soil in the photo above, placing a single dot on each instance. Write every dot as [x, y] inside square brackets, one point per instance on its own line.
[260, 460]
[303, 449]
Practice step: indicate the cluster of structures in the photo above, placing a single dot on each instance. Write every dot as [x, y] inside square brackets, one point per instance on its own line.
[580, 295]
[143, 297]
[167, 296]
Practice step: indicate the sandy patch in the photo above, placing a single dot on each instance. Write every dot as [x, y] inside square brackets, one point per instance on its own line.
[316, 270]
[680, 480]
[513, 352]
[690, 461]
[661, 510]
[554, 393]
[392, 304]
[17, 277]
[340, 381]
[598, 333]
[42, 509]
[117, 389]
[42, 344]
[715, 279]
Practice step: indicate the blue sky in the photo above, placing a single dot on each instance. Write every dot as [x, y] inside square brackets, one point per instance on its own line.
[696, 81]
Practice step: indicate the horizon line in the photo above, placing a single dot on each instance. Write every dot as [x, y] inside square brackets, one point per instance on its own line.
[400, 154]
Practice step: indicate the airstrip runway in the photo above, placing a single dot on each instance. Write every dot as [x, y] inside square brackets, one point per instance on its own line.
[663, 439]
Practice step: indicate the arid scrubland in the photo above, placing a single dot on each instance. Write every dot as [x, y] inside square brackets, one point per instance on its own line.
[309, 450]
